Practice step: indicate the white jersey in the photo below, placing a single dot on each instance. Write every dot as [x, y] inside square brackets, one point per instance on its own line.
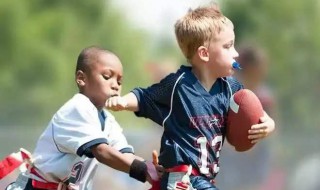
[62, 151]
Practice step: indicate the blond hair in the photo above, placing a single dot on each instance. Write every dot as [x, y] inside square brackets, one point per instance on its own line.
[198, 27]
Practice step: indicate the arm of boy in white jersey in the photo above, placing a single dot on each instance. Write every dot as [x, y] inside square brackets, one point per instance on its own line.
[122, 162]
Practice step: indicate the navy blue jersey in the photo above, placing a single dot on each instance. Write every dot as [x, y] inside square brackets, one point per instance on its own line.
[193, 118]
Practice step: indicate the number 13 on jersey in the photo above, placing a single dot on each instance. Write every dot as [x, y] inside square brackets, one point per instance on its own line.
[216, 145]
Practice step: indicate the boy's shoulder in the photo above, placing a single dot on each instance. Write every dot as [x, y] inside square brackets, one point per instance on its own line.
[182, 70]
[232, 79]
[234, 83]
[171, 78]
[79, 103]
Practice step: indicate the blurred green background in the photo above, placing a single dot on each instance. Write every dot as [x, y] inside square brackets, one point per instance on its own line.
[40, 41]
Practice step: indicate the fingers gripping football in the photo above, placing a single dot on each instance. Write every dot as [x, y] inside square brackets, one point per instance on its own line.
[261, 130]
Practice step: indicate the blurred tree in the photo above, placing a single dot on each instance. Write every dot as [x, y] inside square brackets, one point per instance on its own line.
[40, 42]
[289, 31]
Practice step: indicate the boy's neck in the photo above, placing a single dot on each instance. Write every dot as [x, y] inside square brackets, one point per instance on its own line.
[205, 78]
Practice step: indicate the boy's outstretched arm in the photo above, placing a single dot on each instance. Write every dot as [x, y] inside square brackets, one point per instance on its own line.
[127, 102]
[261, 130]
[128, 163]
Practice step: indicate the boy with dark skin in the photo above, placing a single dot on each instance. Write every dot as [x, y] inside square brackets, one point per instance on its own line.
[82, 133]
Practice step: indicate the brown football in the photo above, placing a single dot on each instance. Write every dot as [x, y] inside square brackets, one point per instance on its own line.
[245, 110]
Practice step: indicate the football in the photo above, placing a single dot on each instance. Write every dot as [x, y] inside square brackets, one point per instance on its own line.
[245, 110]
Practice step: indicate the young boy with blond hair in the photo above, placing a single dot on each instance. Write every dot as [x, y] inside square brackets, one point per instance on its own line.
[192, 104]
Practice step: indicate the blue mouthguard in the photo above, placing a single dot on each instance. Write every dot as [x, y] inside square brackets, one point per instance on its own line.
[236, 65]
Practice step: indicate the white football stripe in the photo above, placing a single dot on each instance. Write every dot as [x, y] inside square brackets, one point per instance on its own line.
[233, 105]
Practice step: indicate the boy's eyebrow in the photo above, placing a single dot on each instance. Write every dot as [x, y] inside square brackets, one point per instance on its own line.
[107, 69]
[111, 71]
[230, 42]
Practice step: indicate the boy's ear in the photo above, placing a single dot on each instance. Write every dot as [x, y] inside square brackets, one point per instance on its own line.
[203, 53]
[80, 78]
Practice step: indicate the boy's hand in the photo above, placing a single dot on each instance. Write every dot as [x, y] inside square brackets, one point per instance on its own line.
[152, 174]
[261, 130]
[155, 161]
[116, 103]
[160, 170]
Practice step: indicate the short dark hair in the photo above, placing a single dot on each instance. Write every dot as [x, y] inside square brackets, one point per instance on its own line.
[87, 56]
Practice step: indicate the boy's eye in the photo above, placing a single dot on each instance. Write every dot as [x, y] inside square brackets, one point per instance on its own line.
[106, 77]
[120, 81]
[227, 46]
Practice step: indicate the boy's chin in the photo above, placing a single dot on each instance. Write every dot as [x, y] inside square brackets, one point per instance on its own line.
[230, 73]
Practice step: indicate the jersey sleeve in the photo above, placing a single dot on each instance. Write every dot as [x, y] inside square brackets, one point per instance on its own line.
[116, 138]
[154, 101]
[235, 85]
[78, 128]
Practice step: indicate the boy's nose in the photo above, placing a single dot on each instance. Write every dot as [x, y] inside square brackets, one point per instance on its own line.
[115, 86]
[235, 54]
